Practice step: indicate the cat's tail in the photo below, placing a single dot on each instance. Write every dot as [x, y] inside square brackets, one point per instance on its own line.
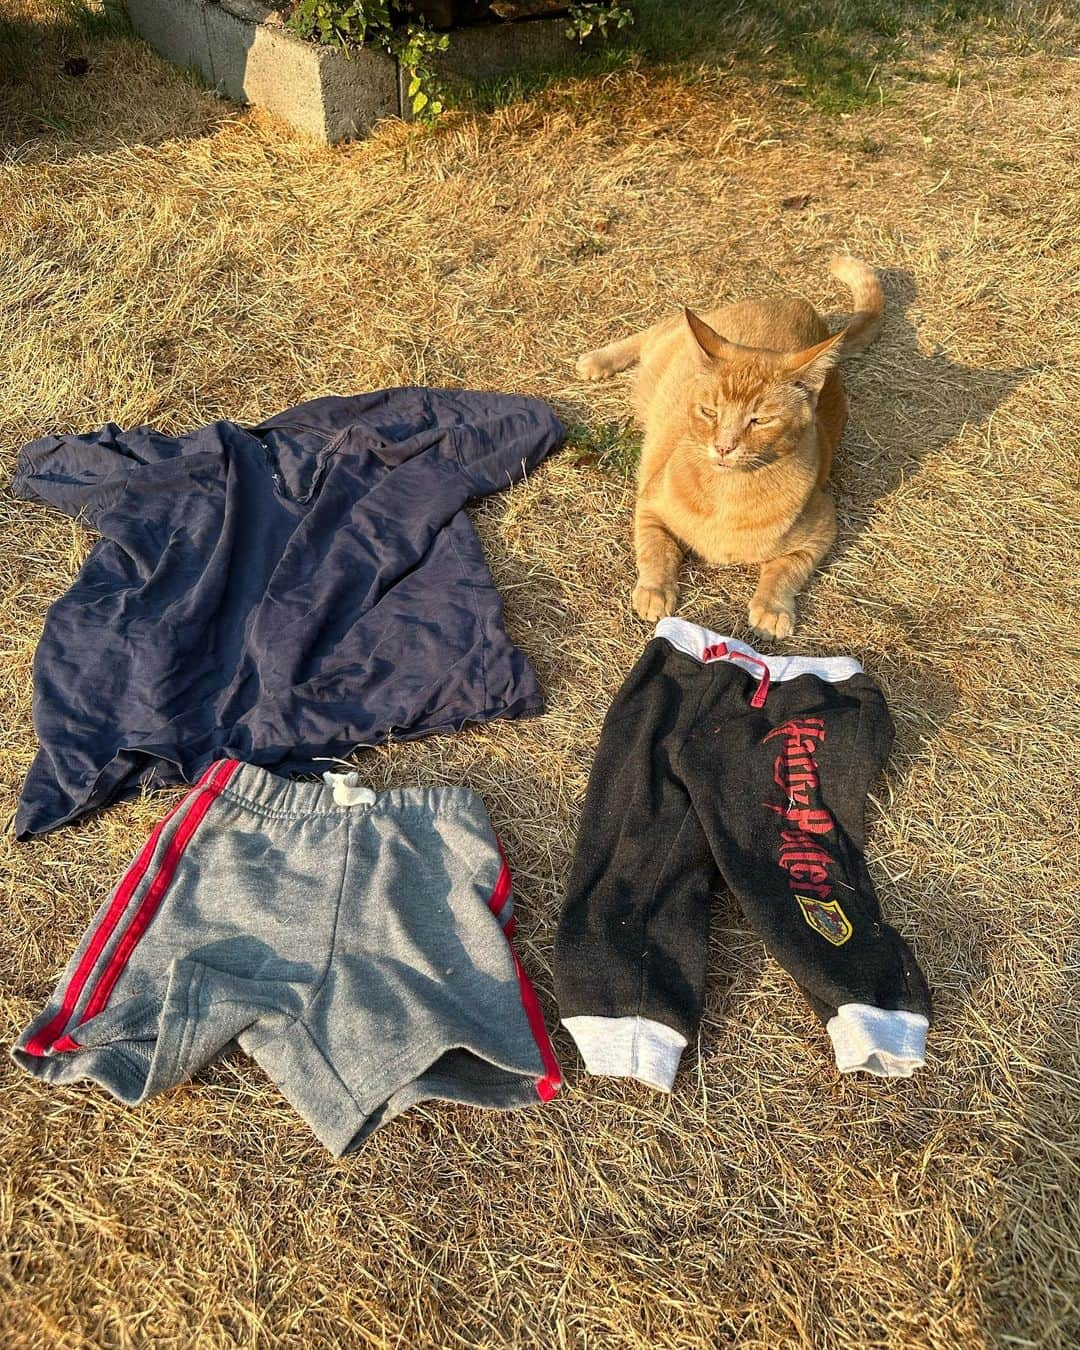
[869, 302]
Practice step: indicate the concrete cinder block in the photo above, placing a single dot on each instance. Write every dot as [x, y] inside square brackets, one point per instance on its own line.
[176, 31]
[502, 48]
[242, 50]
[321, 90]
[242, 54]
[357, 91]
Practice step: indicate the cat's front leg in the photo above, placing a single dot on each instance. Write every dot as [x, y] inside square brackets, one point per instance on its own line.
[772, 609]
[658, 557]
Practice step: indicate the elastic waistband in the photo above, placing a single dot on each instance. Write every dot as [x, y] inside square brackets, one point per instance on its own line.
[705, 646]
[265, 791]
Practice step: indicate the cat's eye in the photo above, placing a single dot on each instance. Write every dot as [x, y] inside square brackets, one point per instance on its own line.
[761, 420]
[710, 413]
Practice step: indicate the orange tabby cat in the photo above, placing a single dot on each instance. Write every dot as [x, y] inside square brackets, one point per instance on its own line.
[743, 410]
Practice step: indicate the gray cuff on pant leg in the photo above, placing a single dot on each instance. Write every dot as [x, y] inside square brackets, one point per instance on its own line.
[628, 1047]
[878, 1041]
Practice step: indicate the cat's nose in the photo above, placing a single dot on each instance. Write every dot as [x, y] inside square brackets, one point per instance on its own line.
[722, 451]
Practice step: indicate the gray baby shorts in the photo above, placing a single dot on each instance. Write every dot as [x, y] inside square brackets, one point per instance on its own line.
[356, 945]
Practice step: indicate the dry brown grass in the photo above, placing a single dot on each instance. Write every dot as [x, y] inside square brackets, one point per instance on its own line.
[171, 259]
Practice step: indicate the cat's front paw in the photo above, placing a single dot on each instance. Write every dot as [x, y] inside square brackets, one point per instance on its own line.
[653, 602]
[771, 619]
[592, 366]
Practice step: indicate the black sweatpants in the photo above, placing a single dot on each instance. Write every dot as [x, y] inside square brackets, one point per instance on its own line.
[716, 763]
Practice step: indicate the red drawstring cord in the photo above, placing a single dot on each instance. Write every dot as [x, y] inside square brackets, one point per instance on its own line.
[719, 652]
[762, 691]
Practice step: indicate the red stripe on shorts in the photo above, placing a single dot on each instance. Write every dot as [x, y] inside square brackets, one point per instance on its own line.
[547, 1086]
[43, 1041]
[148, 905]
[501, 893]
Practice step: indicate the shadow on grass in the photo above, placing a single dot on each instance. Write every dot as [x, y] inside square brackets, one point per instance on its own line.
[832, 54]
[929, 400]
[65, 27]
[74, 80]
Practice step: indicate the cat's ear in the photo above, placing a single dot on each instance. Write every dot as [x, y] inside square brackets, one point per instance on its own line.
[810, 368]
[710, 341]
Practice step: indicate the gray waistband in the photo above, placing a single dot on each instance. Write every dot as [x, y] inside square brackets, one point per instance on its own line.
[266, 791]
[706, 646]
